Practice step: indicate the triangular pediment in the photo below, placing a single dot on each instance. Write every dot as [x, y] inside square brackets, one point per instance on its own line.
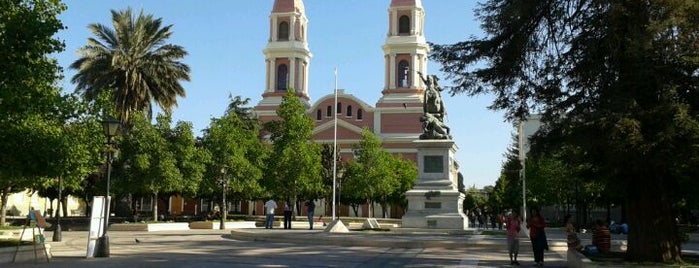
[345, 131]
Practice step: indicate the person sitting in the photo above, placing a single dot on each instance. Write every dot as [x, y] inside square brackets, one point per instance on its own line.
[625, 228]
[601, 237]
[572, 237]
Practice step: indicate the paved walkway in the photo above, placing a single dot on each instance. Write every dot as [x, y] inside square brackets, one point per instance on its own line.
[261, 247]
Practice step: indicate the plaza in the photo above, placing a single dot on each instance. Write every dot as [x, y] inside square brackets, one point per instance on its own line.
[299, 247]
[295, 248]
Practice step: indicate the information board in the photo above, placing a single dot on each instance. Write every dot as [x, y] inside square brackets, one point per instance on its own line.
[96, 223]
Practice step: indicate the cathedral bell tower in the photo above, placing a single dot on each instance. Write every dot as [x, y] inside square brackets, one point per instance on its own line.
[287, 56]
[405, 53]
[398, 111]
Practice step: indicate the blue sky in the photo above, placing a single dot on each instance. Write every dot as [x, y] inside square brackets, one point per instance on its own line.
[225, 39]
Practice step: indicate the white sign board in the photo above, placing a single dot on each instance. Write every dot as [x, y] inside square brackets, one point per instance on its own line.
[96, 223]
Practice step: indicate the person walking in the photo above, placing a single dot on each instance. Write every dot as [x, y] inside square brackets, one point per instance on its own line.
[287, 215]
[310, 209]
[512, 225]
[536, 225]
[270, 205]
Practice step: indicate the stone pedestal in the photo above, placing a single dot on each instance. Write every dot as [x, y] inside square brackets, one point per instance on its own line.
[434, 201]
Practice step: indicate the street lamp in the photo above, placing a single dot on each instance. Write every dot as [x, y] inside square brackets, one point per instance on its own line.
[111, 126]
[224, 184]
[522, 172]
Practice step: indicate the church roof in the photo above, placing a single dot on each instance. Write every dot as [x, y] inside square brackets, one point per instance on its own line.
[284, 6]
[403, 3]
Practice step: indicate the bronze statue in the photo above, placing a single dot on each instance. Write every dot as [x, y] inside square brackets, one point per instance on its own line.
[432, 97]
[433, 128]
[433, 108]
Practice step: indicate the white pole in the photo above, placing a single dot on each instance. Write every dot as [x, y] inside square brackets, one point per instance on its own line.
[335, 146]
[522, 174]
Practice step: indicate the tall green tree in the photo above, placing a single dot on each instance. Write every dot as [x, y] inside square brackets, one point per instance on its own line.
[83, 140]
[508, 187]
[159, 160]
[474, 202]
[618, 79]
[376, 175]
[406, 172]
[294, 166]
[135, 61]
[235, 144]
[30, 103]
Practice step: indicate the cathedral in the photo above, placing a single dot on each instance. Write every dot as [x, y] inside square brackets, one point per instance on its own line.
[395, 118]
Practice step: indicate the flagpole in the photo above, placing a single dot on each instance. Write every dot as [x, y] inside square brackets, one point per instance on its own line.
[335, 146]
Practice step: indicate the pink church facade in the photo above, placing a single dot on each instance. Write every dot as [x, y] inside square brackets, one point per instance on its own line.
[394, 117]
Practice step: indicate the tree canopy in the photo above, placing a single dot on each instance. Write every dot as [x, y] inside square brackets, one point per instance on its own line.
[32, 110]
[135, 61]
[616, 79]
[234, 142]
[159, 159]
[294, 166]
[30, 104]
[376, 175]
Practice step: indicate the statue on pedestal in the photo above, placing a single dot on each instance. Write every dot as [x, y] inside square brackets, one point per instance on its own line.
[433, 125]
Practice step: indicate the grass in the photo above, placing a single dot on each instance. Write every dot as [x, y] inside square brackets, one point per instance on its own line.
[497, 233]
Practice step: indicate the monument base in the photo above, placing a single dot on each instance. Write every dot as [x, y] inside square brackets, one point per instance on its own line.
[434, 209]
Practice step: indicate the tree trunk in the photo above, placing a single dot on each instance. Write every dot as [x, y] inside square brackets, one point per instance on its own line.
[653, 234]
[155, 207]
[383, 210]
[52, 212]
[58, 208]
[88, 212]
[64, 206]
[3, 204]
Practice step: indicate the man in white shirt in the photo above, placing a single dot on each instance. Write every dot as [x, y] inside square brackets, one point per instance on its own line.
[270, 205]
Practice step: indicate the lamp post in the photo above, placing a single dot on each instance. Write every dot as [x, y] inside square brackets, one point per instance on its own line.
[522, 171]
[224, 184]
[57, 235]
[111, 126]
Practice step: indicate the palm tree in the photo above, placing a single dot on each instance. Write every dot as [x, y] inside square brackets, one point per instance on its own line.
[134, 62]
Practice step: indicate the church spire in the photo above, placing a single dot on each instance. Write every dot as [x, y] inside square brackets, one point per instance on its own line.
[287, 6]
[287, 55]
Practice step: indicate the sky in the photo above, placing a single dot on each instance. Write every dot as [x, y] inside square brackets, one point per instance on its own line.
[225, 39]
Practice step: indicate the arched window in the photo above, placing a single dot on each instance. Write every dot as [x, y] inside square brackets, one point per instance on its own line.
[359, 114]
[404, 25]
[319, 115]
[349, 110]
[283, 31]
[329, 111]
[402, 74]
[282, 72]
[339, 107]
